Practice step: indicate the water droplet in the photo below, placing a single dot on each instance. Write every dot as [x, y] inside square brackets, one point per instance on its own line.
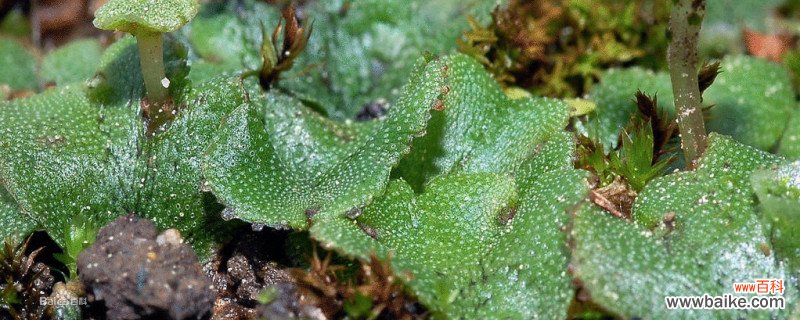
[228, 214]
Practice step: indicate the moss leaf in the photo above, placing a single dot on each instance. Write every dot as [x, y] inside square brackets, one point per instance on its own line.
[151, 16]
[524, 275]
[614, 97]
[752, 100]
[170, 184]
[694, 233]
[77, 154]
[463, 257]
[790, 141]
[60, 154]
[275, 160]
[75, 61]
[778, 191]
[13, 224]
[17, 66]
[480, 128]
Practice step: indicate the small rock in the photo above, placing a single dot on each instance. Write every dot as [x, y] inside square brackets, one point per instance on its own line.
[169, 236]
[139, 277]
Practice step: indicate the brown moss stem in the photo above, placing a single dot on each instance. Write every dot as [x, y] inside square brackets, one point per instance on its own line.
[684, 23]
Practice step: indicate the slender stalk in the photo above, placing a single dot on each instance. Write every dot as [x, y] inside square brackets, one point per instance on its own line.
[151, 59]
[684, 23]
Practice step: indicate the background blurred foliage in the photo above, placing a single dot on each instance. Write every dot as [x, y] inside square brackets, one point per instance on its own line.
[560, 47]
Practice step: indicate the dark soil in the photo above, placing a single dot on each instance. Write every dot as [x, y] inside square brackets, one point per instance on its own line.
[139, 274]
[248, 266]
[132, 272]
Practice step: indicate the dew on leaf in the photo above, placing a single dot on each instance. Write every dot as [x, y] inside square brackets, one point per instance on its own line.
[228, 214]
